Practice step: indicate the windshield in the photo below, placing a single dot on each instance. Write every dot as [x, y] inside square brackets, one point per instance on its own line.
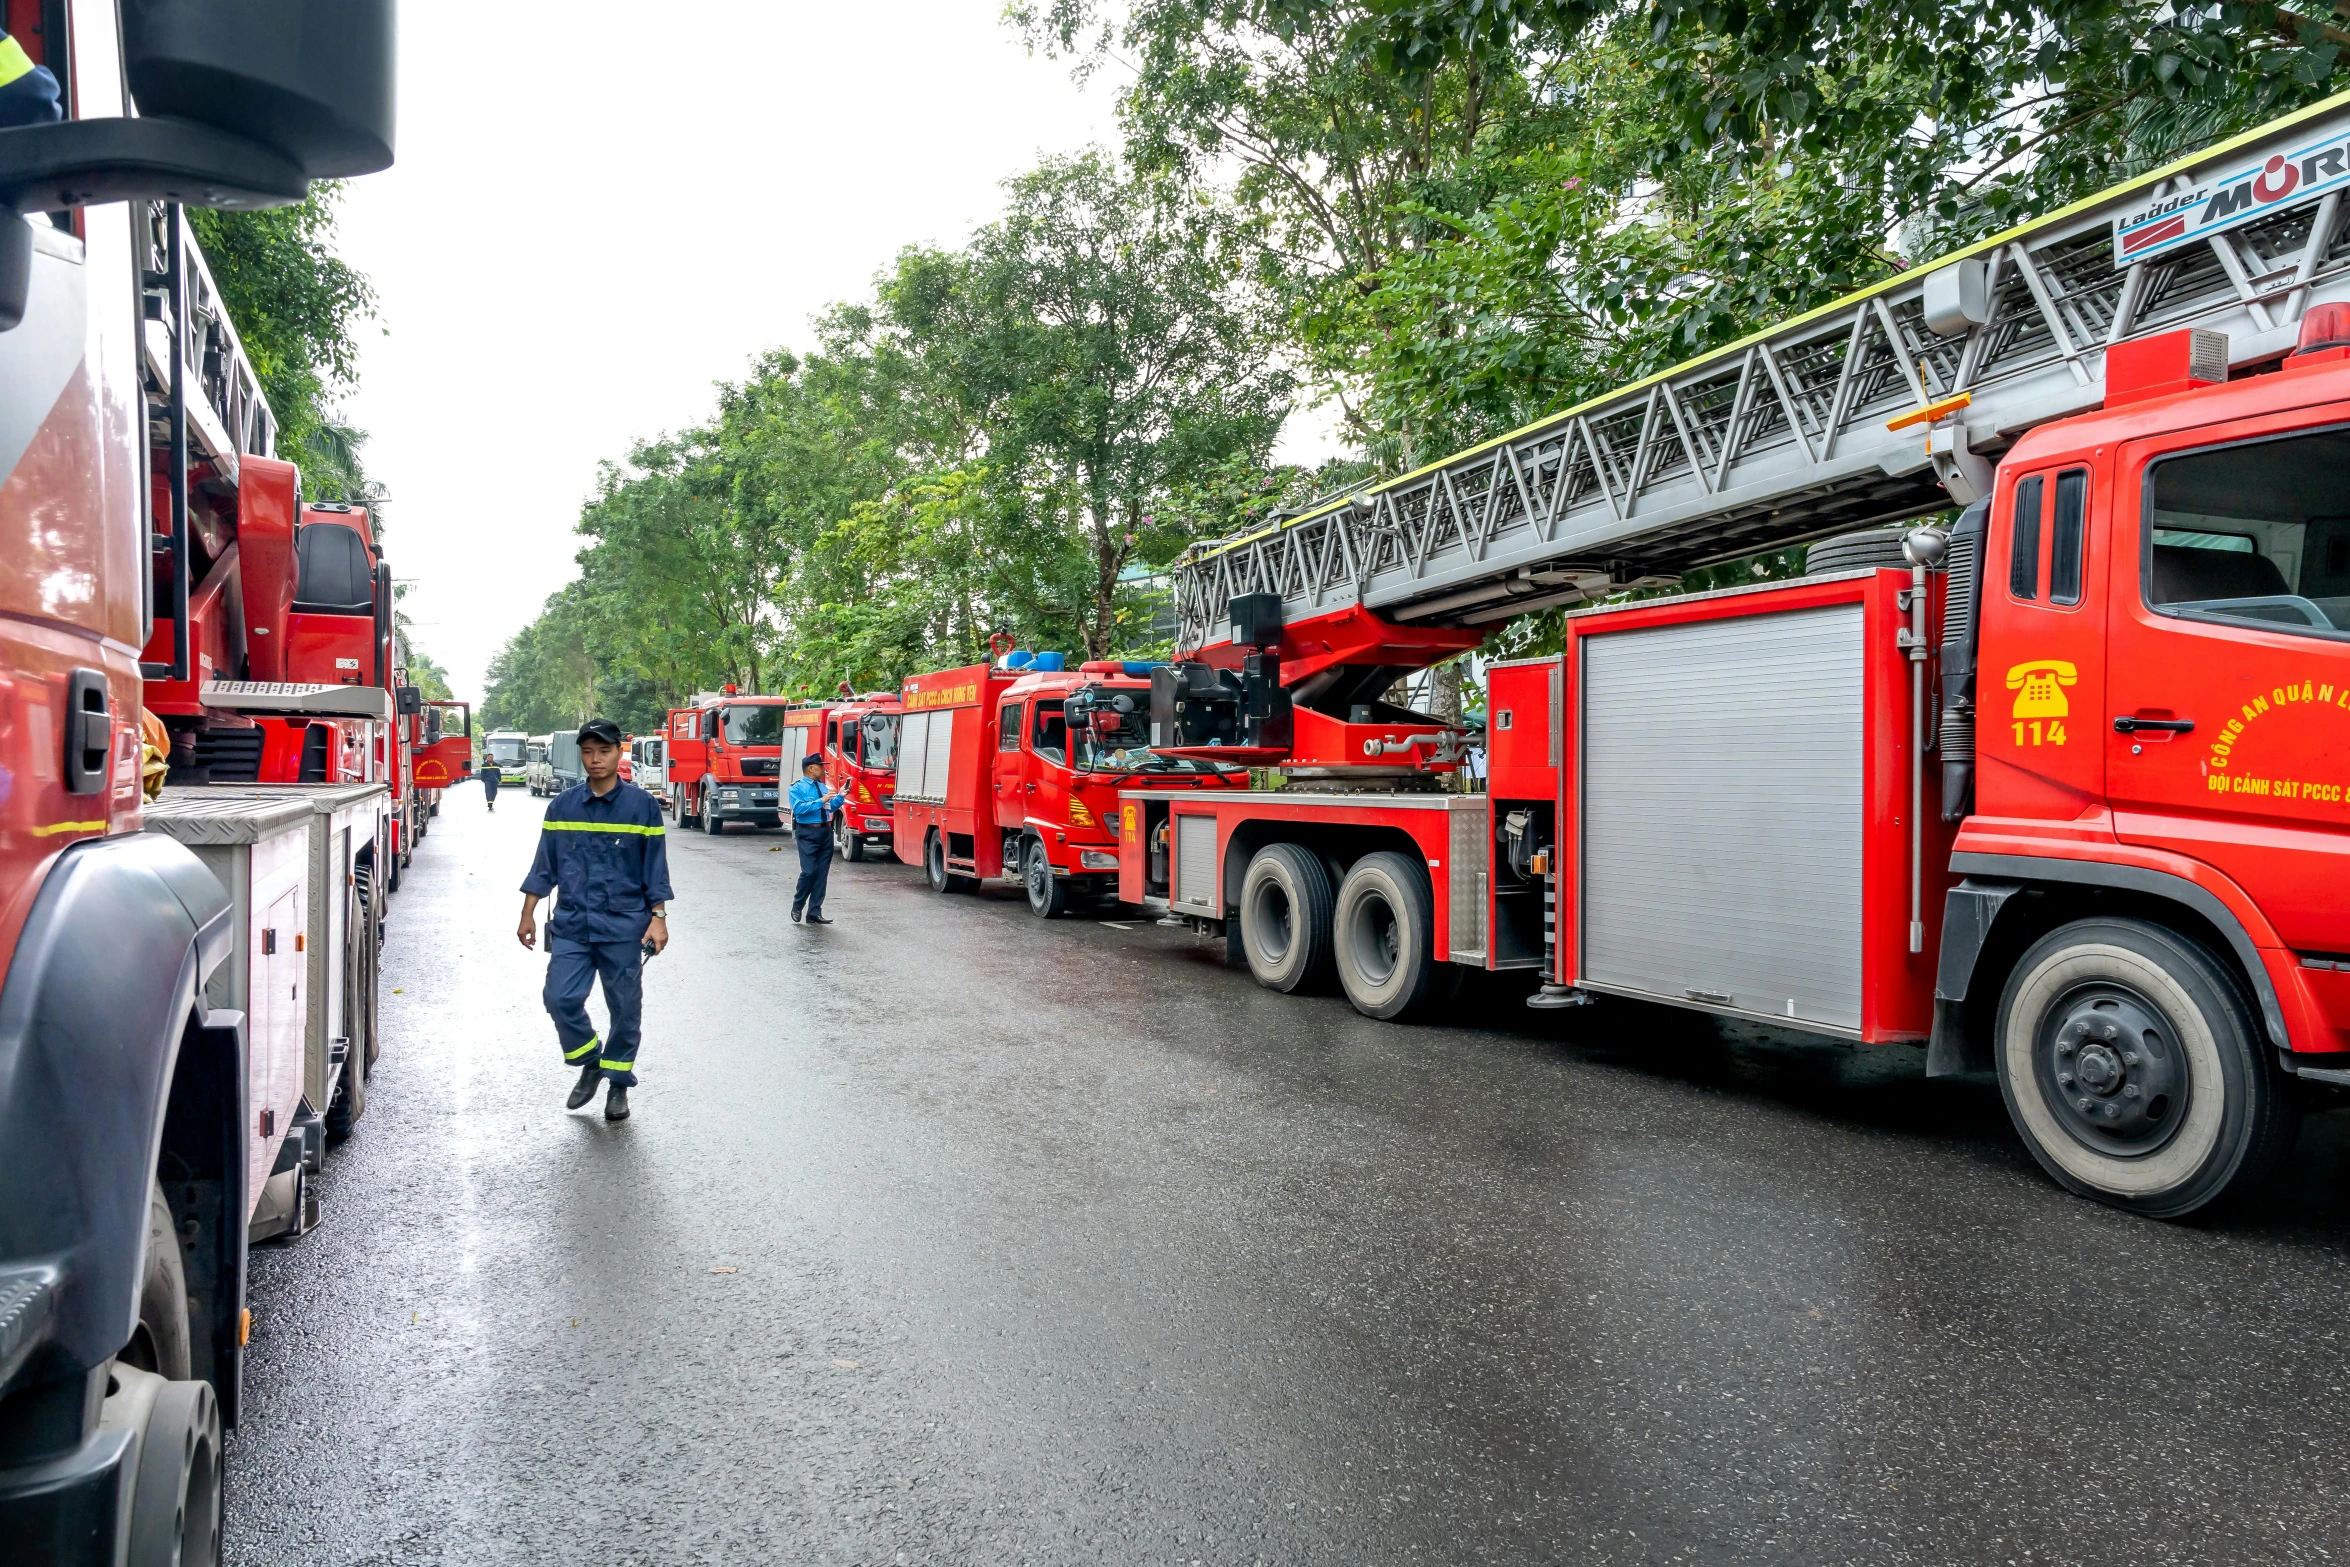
[881, 740]
[1111, 725]
[2257, 533]
[754, 725]
[505, 749]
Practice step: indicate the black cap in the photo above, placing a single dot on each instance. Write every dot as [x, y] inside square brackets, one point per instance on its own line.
[599, 729]
[812, 759]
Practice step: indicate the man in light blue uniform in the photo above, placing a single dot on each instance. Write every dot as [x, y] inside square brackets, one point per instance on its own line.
[812, 811]
[602, 846]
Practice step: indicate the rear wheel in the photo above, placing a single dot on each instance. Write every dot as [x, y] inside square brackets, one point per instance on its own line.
[934, 864]
[1285, 918]
[2134, 1066]
[1048, 895]
[847, 841]
[350, 1097]
[1384, 927]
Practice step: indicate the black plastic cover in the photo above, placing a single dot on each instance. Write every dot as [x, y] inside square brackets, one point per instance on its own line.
[313, 79]
[332, 572]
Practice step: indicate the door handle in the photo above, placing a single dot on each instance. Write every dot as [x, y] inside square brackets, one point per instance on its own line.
[2130, 726]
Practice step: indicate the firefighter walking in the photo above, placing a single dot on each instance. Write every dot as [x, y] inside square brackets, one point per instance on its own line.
[603, 853]
[811, 829]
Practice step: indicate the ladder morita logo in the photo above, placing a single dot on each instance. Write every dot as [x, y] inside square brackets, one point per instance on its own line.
[2244, 194]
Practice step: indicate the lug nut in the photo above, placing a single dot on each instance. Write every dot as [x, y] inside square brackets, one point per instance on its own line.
[2065, 1078]
[2129, 1058]
[2064, 1047]
[2088, 1106]
[2129, 1090]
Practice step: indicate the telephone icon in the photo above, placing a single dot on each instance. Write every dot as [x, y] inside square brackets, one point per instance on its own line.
[2039, 687]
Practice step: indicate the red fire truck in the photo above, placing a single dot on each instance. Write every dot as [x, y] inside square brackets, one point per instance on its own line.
[161, 1036]
[2059, 791]
[860, 746]
[1012, 770]
[725, 762]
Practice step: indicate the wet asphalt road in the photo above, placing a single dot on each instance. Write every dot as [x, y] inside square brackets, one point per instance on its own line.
[947, 1236]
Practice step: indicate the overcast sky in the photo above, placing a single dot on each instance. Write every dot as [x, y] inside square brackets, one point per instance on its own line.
[593, 219]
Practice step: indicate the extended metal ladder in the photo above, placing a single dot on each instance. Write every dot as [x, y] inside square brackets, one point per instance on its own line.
[1785, 436]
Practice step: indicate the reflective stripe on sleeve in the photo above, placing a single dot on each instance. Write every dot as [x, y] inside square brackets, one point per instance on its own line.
[14, 62]
[643, 832]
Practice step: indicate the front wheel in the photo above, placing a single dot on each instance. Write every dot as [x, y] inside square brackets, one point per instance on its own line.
[2136, 1071]
[710, 822]
[1048, 895]
[847, 842]
[1384, 928]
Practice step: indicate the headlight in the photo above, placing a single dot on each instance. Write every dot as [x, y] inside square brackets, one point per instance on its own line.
[1096, 860]
[732, 796]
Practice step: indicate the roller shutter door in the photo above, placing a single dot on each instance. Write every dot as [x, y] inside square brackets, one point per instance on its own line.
[1722, 813]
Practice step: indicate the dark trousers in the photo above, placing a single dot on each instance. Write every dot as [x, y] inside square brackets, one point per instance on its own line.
[815, 843]
[574, 964]
[489, 789]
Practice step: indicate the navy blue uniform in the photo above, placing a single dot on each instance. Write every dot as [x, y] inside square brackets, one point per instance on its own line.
[607, 861]
[811, 816]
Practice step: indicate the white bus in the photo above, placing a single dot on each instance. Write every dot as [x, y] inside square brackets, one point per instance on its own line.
[510, 750]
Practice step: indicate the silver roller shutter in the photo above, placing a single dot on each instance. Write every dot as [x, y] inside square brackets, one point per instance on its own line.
[913, 753]
[1721, 813]
[1196, 880]
[938, 753]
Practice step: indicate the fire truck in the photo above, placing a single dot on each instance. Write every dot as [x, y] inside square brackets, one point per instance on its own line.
[187, 986]
[725, 759]
[1013, 769]
[2057, 791]
[860, 748]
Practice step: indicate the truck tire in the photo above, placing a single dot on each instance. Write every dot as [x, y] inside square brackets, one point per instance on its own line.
[2136, 1071]
[847, 841]
[934, 864]
[1285, 918]
[175, 1497]
[350, 1096]
[1048, 895]
[710, 822]
[160, 1342]
[1383, 930]
[1851, 551]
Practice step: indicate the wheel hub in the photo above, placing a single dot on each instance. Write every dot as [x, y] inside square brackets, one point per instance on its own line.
[2113, 1071]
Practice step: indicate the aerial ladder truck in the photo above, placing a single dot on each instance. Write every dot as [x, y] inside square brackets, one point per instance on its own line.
[187, 983]
[2056, 791]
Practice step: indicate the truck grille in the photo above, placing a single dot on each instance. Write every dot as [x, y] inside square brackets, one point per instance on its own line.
[762, 767]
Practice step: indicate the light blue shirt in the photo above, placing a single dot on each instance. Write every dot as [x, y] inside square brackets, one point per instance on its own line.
[810, 805]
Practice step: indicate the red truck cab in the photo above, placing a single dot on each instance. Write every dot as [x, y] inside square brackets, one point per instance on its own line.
[860, 748]
[726, 760]
[1014, 771]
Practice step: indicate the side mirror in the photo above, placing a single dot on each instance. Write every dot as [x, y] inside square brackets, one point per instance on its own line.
[412, 699]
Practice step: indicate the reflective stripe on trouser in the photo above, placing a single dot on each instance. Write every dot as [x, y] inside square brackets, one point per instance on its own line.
[573, 967]
[815, 845]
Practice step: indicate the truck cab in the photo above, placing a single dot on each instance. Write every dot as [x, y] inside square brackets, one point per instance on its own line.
[725, 758]
[648, 764]
[538, 771]
[2145, 738]
[860, 748]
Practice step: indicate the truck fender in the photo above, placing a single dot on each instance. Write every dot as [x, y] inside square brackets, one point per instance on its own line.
[1972, 910]
[106, 976]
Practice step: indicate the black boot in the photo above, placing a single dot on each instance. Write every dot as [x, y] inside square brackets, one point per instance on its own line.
[616, 1103]
[585, 1089]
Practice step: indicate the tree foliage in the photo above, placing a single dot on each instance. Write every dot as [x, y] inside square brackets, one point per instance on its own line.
[1451, 216]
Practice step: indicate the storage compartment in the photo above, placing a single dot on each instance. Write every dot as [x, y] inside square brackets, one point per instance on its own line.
[1721, 830]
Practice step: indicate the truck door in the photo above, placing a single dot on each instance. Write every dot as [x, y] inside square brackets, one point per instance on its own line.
[2229, 727]
[2042, 682]
[1011, 784]
[1048, 761]
[689, 753]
